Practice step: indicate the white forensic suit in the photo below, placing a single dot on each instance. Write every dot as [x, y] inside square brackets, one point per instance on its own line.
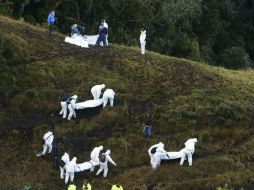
[95, 156]
[108, 95]
[70, 169]
[156, 161]
[71, 107]
[48, 140]
[104, 165]
[66, 159]
[64, 108]
[188, 151]
[142, 40]
[152, 151]
[96, 91]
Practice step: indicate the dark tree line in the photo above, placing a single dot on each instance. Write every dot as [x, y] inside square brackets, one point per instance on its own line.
[216, 32]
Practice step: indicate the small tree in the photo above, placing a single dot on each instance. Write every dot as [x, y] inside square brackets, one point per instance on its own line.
[235, 58]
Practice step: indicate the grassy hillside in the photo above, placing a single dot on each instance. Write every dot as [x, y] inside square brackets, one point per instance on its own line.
[187, 99]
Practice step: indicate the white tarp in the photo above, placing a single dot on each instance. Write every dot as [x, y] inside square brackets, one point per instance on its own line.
[82, 41]
[91, 39]
[171, 155]
[77, 40]
[88, 104]
[85, 166]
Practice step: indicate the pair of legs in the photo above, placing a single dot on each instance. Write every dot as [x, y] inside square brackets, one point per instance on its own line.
[143, 47]
[72, 112]
[69, 175]
[101, 38]
[104, 168]
[47, 147]
[51, 28]
[188, 154]
[147, 131]
[63, 110]
[111, 100]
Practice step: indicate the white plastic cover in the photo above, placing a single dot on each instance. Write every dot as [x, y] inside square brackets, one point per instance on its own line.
[88, 104]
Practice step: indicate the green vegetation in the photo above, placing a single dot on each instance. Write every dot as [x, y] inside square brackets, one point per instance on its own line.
[188, 99]
[200, 30]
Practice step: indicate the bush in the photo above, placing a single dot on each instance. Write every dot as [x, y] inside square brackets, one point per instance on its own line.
[30, 19]
[235, 58]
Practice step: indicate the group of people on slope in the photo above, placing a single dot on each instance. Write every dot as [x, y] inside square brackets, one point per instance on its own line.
[157, 153]
[103, 32]
[69, 167]
[70, 103]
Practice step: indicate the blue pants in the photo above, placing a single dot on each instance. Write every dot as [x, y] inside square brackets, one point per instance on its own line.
[147, 131]
[51, 28]
[101, 38]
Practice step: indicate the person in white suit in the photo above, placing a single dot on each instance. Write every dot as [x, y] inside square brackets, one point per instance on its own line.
[65, 160]
[152, 151]
[48, 140]
[108, 95]
[188, 151]
[70, 170]
[142, 40]
[64, 106]
[95, 156]
[104, 163]
[71, 107]
[96, 91]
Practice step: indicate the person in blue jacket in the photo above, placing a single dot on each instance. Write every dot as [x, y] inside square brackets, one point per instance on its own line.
[51, 21]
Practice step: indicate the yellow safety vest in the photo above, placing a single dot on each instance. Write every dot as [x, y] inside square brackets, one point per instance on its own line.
[88, 185]
[117, 187]
[72, 187]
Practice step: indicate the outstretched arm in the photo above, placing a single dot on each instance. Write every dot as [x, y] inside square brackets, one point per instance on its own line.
[111, 161]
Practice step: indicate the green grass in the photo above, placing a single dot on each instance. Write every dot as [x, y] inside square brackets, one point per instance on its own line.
[188, 99]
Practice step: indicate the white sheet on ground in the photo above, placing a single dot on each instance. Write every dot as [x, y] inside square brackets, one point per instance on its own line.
[91, 39]
[88, 104]
[77, 40]
[86, 166]
[171, 155]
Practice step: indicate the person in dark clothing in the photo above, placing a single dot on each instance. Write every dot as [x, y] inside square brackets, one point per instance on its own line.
[56, 154]
[103, 32]
[148, 125]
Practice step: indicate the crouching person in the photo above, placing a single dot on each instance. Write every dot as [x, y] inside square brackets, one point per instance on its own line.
[96, 91]
[75, 30]
[108, 95]
[105, 158]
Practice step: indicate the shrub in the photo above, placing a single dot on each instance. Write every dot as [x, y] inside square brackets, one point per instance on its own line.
[235, 58]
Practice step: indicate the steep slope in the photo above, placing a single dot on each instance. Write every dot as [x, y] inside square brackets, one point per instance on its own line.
[188, 99]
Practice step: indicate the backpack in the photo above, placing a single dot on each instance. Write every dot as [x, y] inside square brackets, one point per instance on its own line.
[65, 98]
[102, 158]
[42, 142]
[153, 150]
[61, 163]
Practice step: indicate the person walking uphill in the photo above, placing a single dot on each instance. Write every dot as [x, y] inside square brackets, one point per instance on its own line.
[148, 125]
[51, 21]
